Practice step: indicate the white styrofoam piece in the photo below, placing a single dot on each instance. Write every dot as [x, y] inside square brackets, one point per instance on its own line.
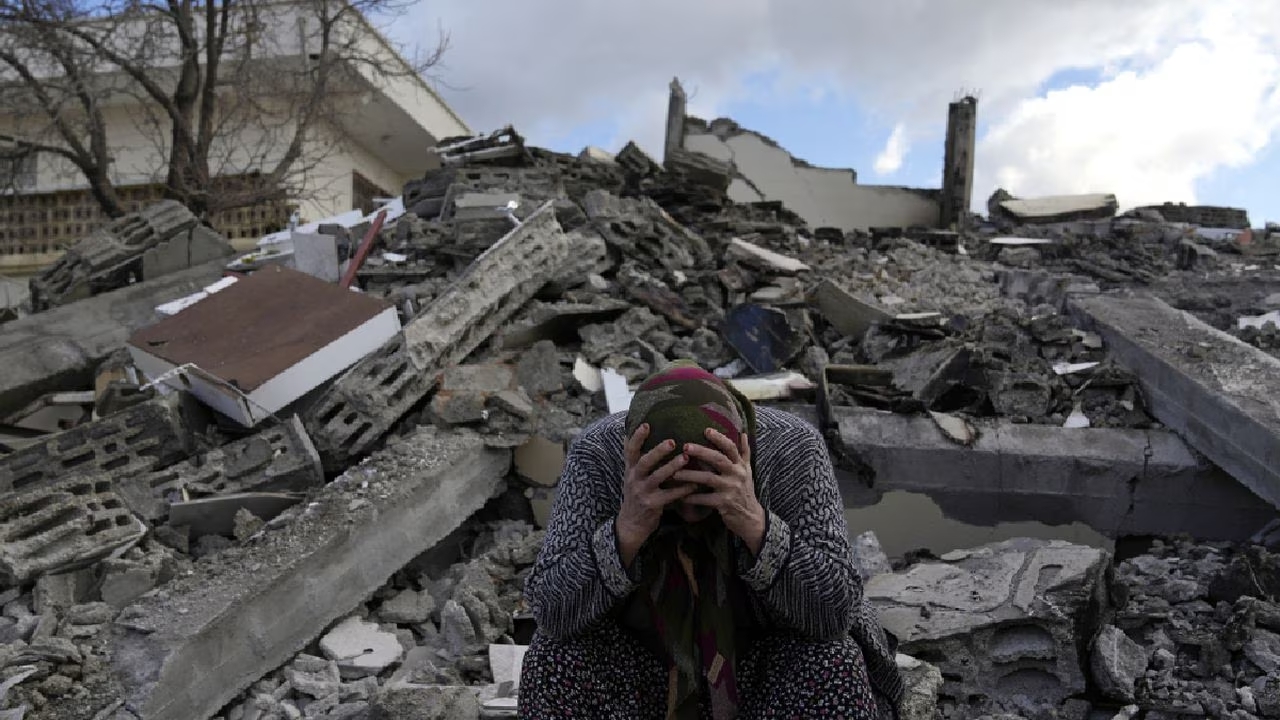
[616, 391]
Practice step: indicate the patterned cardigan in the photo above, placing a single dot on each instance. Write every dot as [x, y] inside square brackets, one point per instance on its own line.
[803, 579]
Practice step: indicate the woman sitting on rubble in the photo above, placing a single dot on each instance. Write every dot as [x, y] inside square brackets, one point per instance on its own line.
[697, 565]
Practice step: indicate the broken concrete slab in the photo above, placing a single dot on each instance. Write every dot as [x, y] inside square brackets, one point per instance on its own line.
[360, 648]
[763, 258]
[145, 437]
[1001, 621]
[1118, 481]
[59, 348]
[845, 312]
[275, 459]
[285, 586]
[1220, 394]
[1053, 208]
[824, 197]
[368, 399]
[62, 526]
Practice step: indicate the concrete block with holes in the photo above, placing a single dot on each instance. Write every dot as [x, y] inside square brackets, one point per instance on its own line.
[276, 458]
[65, 525]
[145, 437]
[363, 404]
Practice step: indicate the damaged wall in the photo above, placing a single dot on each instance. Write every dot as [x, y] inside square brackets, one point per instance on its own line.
[824, 197]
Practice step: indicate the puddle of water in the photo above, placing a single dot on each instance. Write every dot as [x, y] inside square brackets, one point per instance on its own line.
[905, 521]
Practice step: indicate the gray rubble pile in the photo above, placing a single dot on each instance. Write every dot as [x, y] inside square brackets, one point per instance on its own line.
[163, 561]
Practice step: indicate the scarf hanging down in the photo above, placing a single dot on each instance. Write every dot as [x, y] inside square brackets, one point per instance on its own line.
[690, 602]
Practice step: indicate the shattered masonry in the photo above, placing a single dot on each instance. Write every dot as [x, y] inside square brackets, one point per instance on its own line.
[361, 552]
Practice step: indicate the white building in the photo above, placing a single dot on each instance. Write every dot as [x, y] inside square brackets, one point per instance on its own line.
[386, 118]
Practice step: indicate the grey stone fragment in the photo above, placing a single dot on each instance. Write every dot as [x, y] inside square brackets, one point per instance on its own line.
[921, 682]
[425, 702]
[360, 648]
[538, 370]
[1263, 650]
[95, 613]
[408, 607]
[456, 629]
[869, 557]
[1117, 663]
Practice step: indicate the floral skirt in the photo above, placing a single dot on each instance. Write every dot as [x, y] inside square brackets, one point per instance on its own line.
[607, 674]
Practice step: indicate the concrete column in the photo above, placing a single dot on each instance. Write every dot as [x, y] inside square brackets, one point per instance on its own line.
[957, 168]
[677, 106]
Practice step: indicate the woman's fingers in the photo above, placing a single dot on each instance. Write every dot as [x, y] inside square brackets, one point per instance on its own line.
[724, 445]
[710, 457]
[700, 477]
[670, 468]
[634, 443]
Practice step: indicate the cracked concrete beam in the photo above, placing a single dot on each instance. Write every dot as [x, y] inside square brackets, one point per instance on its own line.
[59, 348]
[184, 652]
[375, 393]
[1118, 481]
[1220, 394]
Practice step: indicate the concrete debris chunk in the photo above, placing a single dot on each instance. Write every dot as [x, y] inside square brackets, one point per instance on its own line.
[279, 458]
[409, 607]
[366, 401]
[1117, 663]
[766, 259]
[360, 648]
[996, 616]
[284, 587]
[846, 313]
[162, 238]
[61, 526]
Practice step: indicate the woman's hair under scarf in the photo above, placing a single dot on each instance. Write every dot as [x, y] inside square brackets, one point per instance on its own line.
[690, 602]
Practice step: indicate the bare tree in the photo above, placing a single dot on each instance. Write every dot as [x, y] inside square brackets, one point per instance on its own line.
[239, 100]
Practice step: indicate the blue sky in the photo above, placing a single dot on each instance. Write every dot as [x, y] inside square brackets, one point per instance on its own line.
[1152, 100]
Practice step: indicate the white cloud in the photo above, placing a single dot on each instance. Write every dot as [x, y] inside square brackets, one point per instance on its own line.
[1212, 101]
[895, 149]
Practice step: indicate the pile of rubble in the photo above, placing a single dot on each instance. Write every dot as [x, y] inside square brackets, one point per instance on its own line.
[268, 486]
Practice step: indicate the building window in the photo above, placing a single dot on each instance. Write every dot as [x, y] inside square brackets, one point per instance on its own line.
[364, 192]
[18, 173]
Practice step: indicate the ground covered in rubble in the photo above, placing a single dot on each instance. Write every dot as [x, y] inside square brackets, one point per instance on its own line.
[147, 501]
